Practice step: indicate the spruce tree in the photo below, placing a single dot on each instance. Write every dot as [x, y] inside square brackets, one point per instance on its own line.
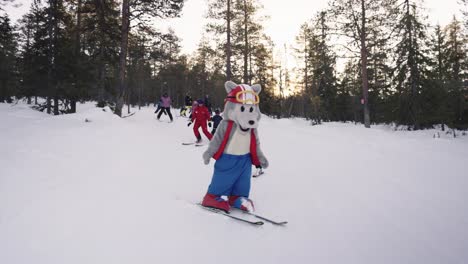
[456, 54]
[8, 61]
[435, 104]
[411, 63]
[318, 78]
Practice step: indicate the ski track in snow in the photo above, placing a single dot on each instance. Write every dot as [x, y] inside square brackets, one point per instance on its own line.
[123, 191]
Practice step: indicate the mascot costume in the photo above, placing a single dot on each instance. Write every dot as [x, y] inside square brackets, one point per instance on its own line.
[235, 147]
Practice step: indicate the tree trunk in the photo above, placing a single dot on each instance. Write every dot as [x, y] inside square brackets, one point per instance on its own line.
[250, 67]
[304, 95]
[281, 91]
[73, 106]
[246, 43]
[365, 81]
[139, 94]
[101, 80]
[123, 56]
[102, 67]
[56, 99]
[56, 105]
[413, 69]
[27, 51]
[74, 95]
[50, 56]
[228, 43]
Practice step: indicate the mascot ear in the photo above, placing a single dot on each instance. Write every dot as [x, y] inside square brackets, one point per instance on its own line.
[257, 88]
[230, 86]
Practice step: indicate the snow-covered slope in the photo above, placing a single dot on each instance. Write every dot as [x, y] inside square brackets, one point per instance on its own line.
[123, 191]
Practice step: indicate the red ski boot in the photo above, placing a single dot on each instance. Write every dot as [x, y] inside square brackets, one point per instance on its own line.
[243, 203]
[214, 201]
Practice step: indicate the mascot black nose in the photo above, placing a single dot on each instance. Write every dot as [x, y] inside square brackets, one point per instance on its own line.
[251, 122]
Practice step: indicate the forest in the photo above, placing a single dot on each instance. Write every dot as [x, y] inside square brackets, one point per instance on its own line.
[362, 61]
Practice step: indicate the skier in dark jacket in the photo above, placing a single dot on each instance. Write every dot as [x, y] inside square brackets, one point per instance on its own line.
[188, 106]
[216, 120]
[188, 100]
[208, 104]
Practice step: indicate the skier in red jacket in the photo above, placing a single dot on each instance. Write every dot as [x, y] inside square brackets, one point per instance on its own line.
[200, 117]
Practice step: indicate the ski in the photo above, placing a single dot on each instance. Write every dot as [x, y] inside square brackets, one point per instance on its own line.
[129, 115]
[193, 143]
[264, 218]
[217, 211]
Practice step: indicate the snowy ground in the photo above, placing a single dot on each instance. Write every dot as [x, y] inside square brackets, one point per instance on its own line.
[122, 191]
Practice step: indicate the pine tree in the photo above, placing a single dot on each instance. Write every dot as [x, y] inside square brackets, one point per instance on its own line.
[380, 71]
[100, 25]
[302, 52]
[237, 34]
[51, 56]
[142, 12]
[435, 104]
[456, 54]
[318, 75]
[356, 19]
[221, 18]
[34, 63]
[8, 65]
[322, 60]
[465, 12]
[247, 33]
[348, 89]
[26, 32]
[59, 50]
[411, 63]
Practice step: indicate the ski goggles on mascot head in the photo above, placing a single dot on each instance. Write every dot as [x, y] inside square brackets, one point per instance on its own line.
[242, 94]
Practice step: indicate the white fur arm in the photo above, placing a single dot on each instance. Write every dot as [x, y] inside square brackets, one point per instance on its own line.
[261, 157]
[215, 142]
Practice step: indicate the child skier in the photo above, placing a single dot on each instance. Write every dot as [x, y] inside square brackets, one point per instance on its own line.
[194, 107]
[200, 116]
[166, 106]
[216, 120]
[188, 105]
[159, 107]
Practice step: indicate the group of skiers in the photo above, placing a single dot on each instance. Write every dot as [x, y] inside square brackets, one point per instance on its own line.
[200, 114]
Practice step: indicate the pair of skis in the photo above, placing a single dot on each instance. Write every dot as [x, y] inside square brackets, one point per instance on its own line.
[244, 220]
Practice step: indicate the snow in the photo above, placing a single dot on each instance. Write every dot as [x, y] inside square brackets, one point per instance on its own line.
[118, 190]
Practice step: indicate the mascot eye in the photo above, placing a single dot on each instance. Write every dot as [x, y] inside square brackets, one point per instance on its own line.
[242, 108]
[251, 109]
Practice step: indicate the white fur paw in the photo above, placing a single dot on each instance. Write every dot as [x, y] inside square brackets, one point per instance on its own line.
[264, 163]
[206, 158]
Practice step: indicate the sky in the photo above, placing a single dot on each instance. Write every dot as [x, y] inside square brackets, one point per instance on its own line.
[285, 18]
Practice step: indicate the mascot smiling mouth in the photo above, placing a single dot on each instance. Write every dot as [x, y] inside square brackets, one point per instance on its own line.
[243, 129]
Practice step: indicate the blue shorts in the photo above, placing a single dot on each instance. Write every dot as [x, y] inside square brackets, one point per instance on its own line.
[231, 175]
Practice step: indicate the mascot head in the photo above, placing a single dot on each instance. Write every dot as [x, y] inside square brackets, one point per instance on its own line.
[241, 104]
